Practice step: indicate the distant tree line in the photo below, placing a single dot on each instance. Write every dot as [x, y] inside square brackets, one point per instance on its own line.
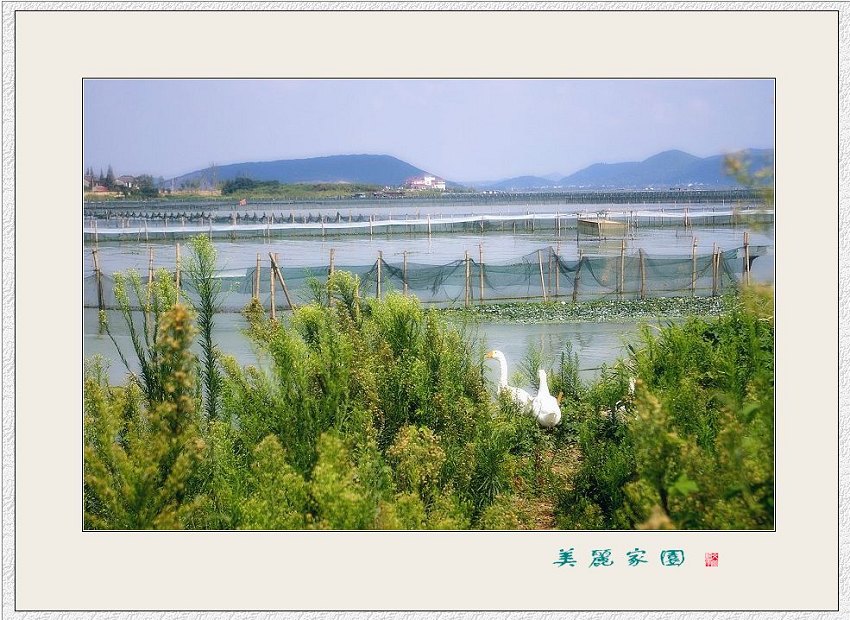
[142, 186]
[246, 185]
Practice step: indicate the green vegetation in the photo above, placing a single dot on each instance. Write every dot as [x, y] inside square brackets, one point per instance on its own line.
[740, 167]
[201, 272]
[375, 414]
[608, 310]
[243, 187]
[142, 186]
[693, 448]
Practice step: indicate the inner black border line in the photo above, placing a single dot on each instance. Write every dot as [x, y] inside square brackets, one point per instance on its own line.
[85, 531]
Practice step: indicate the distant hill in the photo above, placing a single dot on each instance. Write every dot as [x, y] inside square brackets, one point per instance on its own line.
[667, 169]
[368, 169]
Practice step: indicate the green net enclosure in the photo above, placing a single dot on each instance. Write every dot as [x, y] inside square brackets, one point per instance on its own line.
[539, 275]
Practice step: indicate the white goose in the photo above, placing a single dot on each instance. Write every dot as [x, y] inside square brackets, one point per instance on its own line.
[628, 400]
[518, 395]
[545, 406]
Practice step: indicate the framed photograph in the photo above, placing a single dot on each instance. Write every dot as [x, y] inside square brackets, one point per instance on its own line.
[422, 310]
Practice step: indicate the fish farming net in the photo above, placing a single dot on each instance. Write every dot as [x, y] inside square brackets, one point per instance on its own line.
[539, 275]
[171, 226]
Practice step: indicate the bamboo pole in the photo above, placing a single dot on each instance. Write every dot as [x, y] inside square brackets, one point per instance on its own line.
[480, 273]
[622, 284]
[98, 278]
[577, 276]
[558, 224]
[429, 225]
[272, 303]
[719, 274]
[276, 270]
[549, 273]
[150, 267]
[558, 270]
[94, 221]
[466, 286]
[542, 281]
[642, 275]
[714, 269]
[330, 272]
[257, 279]
[404, 271]
[694, 268]
[378, 277]
[177, 270]
[370, 224]
[746, 258]
[150, 284]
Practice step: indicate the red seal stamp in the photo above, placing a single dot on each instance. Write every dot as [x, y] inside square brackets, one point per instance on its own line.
[712, 559]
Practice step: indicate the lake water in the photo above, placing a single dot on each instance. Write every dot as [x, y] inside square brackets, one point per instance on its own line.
[497, 247]
[595, 343]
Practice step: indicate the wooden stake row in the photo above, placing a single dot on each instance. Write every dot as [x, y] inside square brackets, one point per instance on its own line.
[553, 271]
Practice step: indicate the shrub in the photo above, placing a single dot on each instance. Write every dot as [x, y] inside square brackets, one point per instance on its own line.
[694, 448]
[341, 500]
[139, 465]
[279, 497]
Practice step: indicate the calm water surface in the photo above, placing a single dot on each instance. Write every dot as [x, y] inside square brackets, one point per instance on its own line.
[595, 343]
[439, 249]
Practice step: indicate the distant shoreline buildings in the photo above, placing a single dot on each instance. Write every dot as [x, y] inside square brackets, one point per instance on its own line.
[426, 181]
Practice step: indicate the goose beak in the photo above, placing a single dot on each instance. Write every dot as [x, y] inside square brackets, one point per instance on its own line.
[560, 397]
[489, 355]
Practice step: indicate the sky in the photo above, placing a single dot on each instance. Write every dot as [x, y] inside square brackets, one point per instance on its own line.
[461, 130]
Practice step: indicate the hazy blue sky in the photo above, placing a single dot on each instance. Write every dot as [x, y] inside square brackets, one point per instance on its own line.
[463, 130]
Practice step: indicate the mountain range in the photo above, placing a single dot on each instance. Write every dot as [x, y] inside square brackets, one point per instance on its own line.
[672, 168]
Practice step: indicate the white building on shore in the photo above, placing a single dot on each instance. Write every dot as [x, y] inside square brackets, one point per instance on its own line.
[426, 182]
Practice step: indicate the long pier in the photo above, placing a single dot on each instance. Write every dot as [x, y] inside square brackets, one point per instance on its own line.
[175, 228]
